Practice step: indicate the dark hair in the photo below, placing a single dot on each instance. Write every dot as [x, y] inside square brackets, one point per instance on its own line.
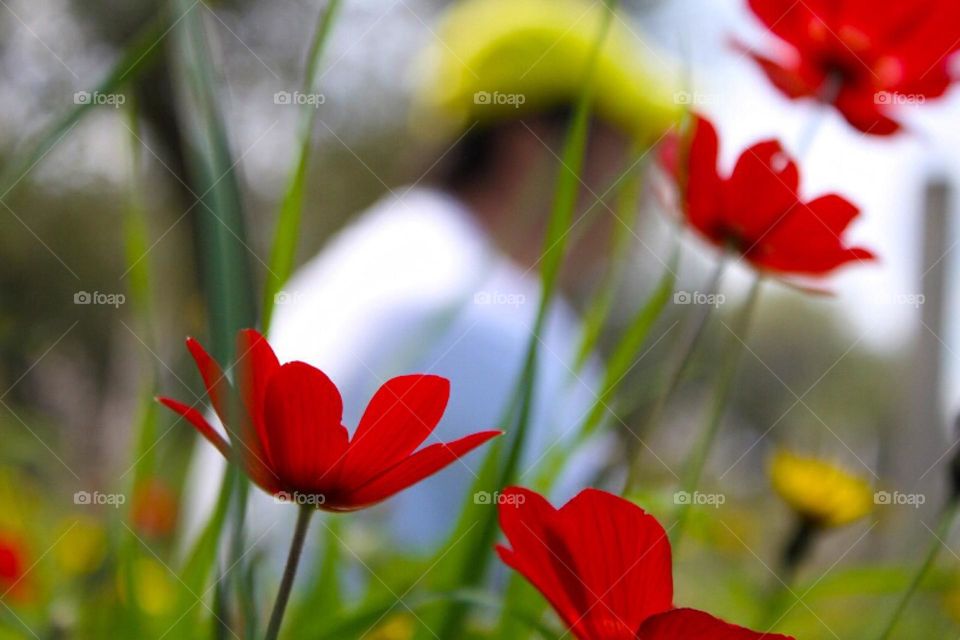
[471, 158]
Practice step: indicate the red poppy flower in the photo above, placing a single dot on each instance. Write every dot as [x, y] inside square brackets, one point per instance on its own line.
[290, 441]
[604, 565]
[862, 56]
[757, 211]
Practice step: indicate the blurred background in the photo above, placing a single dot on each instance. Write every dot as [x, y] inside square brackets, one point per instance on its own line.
[868, 376]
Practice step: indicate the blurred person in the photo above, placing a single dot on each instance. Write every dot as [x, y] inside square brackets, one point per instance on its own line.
[442, 277]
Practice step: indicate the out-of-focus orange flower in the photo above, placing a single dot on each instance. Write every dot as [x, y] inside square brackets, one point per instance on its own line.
[154, 509]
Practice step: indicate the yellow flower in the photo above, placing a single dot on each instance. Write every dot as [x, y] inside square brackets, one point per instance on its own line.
[82, 547]
[821, 492]
[504, 59]
[398, 627]
[153, 586]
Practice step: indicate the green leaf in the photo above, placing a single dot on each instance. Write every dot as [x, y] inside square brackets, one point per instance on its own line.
[288, 221]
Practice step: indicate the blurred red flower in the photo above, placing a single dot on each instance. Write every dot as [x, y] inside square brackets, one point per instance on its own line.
[604, 565]
[12, 568]
[154, 509]
[290, 440]
[757, 211]
[862, 56]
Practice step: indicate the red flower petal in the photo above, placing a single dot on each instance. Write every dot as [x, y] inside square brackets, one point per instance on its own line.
[794, 82]
[255, 468]
[200, 423]
[526, 519]
[899, 48]
[809, 240]
[217, 385]
[307, 441]
[760, 192]
[409, 471]
[862, 111]
[256, 363]
[687, 624]
[610, 559]
[702, 191]
[403, 412]
[788, 19]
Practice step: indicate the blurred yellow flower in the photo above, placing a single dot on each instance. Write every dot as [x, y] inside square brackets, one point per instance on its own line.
[823, 493]
[502, 59]
[153, 587]
[398, 627]
[82, 547]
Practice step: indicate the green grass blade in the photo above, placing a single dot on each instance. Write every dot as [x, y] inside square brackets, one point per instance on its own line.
[228, 280]
[477, 527]
[625, 353]
[599, 310]
[291, 209]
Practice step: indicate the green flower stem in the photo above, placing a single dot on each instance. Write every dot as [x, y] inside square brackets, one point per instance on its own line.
[675, 375]
[728, 369]
[796, 549]
[289, 571]
[943, 530]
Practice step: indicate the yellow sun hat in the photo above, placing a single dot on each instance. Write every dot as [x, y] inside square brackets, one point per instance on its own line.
[505, 59]
[819, 491]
